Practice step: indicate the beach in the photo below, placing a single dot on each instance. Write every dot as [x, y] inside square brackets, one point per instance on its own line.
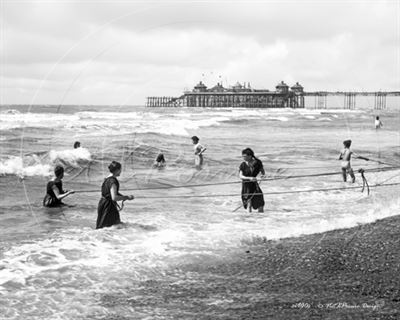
[136, 135]
[323, 248]
[342, 274]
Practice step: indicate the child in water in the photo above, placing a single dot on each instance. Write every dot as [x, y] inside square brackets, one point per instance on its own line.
[378, 123]
[198, 152]
[345, 156]
[159, 162]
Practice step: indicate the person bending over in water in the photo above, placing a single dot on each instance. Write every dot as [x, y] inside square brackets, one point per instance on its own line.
[198, 152]
[345, 156]
[107, 210]
[159, 162]
[54, 190]
[252, 195]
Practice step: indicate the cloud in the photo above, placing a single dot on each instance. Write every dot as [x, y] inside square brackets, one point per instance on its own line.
[99, 52]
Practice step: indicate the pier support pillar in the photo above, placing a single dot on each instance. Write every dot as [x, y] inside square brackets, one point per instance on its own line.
[321, 100]
[380, 101]
[349, 100]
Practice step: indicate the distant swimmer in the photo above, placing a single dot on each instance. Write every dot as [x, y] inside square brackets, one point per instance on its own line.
[108, 209]
[77, 145]
[378, 123]
[252, 195]
[345, 156]
[198, 152]
[159, 162]
[54, 190]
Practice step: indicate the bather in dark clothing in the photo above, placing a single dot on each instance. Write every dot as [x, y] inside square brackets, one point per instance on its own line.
[160, 158]
[107, 210]
[249, 188]
[50, 199]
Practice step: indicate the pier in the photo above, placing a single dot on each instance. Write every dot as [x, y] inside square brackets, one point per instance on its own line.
[349, 98]
[237, 96]
[244, 96]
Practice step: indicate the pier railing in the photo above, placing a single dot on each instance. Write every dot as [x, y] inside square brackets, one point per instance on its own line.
[270, 99]
[350, 97]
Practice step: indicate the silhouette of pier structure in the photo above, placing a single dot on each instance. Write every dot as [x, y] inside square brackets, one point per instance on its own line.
[244, 96]
[349, 98]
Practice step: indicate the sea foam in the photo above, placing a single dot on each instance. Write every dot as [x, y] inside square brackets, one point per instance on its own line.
[15, 166]
[33, 165]
[70, 156]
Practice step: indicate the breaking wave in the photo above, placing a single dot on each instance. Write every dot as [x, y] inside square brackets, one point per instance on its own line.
[35, 165]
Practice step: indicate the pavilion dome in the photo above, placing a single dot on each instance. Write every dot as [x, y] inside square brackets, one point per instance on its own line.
[297, 86]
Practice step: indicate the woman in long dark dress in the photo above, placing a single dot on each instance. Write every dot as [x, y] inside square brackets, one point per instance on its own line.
[54, 190]
[249, 169]
[107, 210]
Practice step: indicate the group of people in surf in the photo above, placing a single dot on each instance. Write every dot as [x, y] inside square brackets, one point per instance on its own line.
[108, 208]
[249, 171]
[160, 162]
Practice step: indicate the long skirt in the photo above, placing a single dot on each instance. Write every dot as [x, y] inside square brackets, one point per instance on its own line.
[251, 192]
[107, 214]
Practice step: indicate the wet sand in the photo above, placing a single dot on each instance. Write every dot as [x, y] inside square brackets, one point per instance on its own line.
[342, 274]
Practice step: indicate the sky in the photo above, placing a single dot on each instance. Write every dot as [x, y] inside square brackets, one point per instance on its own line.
[120, 52]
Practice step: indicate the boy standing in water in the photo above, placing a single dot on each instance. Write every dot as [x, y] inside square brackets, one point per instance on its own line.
[198, 152]
[345, 156]
[378, 123]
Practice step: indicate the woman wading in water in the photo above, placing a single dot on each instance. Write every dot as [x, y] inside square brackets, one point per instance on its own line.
[252, 196]
[54, 190]
[107, 210]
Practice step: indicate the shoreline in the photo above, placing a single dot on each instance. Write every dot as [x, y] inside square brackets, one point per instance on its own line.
[333, 274]
[341, 274]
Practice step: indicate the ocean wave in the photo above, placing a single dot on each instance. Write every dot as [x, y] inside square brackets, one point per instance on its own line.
[70, 157]
[15, 120]
[127, 123]
[114, 123]
[320, 224]
[282, 119]
[10, 111]
[35, 165]
[175, 122]
[85, 115]
[30, 166]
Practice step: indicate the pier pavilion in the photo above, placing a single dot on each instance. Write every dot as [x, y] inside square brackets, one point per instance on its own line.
[239, 96]
[244, 96]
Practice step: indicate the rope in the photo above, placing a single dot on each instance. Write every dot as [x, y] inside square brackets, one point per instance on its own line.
[248, 202]
[120, 207]
[365, 182]
[29, 203]
[381, 162]
[269, 193]
[238, 181]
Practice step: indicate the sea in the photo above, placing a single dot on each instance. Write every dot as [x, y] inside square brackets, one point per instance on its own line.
[54, 264]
